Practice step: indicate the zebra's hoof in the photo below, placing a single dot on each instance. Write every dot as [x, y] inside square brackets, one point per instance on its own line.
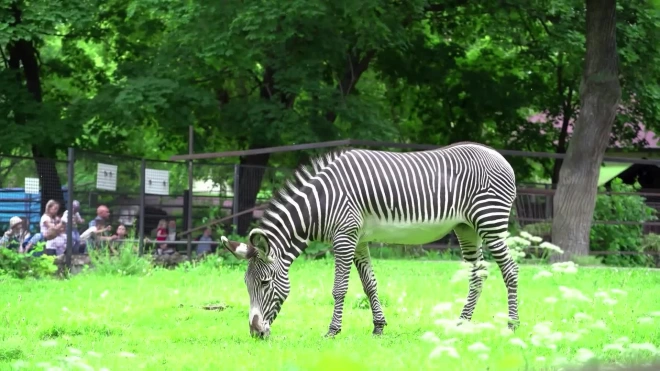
[332, 333]
[513, 325]
[378, 331]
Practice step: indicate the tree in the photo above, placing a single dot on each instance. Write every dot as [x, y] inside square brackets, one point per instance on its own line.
[600, 93]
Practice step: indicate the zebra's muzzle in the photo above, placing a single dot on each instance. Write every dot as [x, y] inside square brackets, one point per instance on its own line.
[258, 328]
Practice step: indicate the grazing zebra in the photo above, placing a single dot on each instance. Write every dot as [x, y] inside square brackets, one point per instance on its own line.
[355, 196]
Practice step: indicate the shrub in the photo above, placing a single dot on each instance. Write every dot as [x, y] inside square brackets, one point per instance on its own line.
[27, 265]
[126, 263]
[619, 237]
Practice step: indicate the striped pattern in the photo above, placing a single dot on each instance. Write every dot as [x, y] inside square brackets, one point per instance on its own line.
[352, 197]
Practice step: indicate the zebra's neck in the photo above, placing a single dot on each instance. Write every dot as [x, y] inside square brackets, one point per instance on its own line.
[290, 227]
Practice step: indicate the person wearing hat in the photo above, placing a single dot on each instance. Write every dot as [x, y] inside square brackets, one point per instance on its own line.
[16, 235]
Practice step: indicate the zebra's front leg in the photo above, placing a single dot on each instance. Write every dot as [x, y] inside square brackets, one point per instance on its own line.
[362, 261]
[344, 248]
[470, 243]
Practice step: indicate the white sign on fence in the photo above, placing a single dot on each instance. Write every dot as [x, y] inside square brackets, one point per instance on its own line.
[32, 186]
[106, 177]
[157, 182]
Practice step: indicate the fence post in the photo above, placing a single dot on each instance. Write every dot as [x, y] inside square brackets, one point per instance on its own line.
[235, 210]
[69, 222]
[191, 133]
[143, 182]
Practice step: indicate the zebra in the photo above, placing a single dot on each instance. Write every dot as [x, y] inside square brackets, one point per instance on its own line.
[351, 197]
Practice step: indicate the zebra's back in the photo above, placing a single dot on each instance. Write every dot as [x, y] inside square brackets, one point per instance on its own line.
[418, 197]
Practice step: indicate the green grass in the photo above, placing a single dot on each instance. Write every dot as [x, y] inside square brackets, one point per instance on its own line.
[156, 322]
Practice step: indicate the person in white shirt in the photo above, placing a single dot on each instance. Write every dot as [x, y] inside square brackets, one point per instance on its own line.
[75, 234]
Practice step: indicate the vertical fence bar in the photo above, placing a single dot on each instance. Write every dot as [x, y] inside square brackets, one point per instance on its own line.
[190, 190]
[143, 182]
[69, 222]
[235, 209]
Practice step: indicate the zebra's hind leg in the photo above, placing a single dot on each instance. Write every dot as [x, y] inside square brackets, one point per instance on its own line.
[362, 261]
[344, 248]
[471, 249]
[509, 268]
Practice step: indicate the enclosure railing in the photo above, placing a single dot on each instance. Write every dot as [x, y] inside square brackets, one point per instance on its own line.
[191, 196]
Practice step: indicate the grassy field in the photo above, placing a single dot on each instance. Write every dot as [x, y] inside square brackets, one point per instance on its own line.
[157, 321]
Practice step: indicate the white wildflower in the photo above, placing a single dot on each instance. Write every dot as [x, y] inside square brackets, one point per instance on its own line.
[622, 340]
[601, 294]
[126, 354]
[644, 320]
[572, 294]
[618, 292]
[655, 314]
[104, 294]
[600, 324]
[609, 301]
[49, 343]
[93, 354]
[430, 337]
[549, 246]
[506, 332]
[516, 241]
[540, 359]
[75, 351]
[478, 347]
[519, 342]
[582, 316]
[565, 267]
[572, 336]
[441, 308]
[584, 355]
[550, 300]
[542, 274]
[614, 346]
[444, 349]
[483, 356]
[526, 235]
[643, 346]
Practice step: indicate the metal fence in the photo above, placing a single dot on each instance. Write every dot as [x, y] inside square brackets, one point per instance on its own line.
[141, 192]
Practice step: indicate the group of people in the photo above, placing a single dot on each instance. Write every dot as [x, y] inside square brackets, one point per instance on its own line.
[52, 231]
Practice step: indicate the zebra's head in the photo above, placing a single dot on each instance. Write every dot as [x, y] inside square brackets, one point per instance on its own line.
[267, 282]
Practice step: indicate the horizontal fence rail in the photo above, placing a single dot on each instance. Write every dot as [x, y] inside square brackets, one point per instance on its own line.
[191, 196]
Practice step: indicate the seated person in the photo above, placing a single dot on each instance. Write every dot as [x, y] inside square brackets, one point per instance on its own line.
[30, 244]
[205, 248]
[16, 235]
[95, 233]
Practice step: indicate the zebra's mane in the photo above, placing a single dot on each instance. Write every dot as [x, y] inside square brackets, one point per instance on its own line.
[302, 175]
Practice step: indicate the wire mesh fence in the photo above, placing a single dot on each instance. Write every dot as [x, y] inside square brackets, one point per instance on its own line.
[140, 193]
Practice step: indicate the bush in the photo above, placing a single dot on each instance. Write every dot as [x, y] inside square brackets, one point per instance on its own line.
[126, 263]
[27, 265]
[621, 237]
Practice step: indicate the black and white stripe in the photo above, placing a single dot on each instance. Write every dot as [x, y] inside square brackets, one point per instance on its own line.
[353, 197]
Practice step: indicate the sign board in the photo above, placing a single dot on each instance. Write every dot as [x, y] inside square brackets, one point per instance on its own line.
[106, 177]
[157, 182]
[32, 186]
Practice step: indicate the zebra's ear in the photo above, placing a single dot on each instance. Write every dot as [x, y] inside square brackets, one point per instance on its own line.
[259, 240]
[239, 249]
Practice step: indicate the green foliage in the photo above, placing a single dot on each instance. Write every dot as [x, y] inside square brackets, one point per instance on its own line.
[126, 263]
[619, 237]
[27, 265]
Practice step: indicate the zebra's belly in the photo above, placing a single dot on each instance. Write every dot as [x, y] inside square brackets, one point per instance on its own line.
[415, 233]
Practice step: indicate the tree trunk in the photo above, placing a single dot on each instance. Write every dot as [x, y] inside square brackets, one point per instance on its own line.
[600, 93]
[23, 53]
[250, 175]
